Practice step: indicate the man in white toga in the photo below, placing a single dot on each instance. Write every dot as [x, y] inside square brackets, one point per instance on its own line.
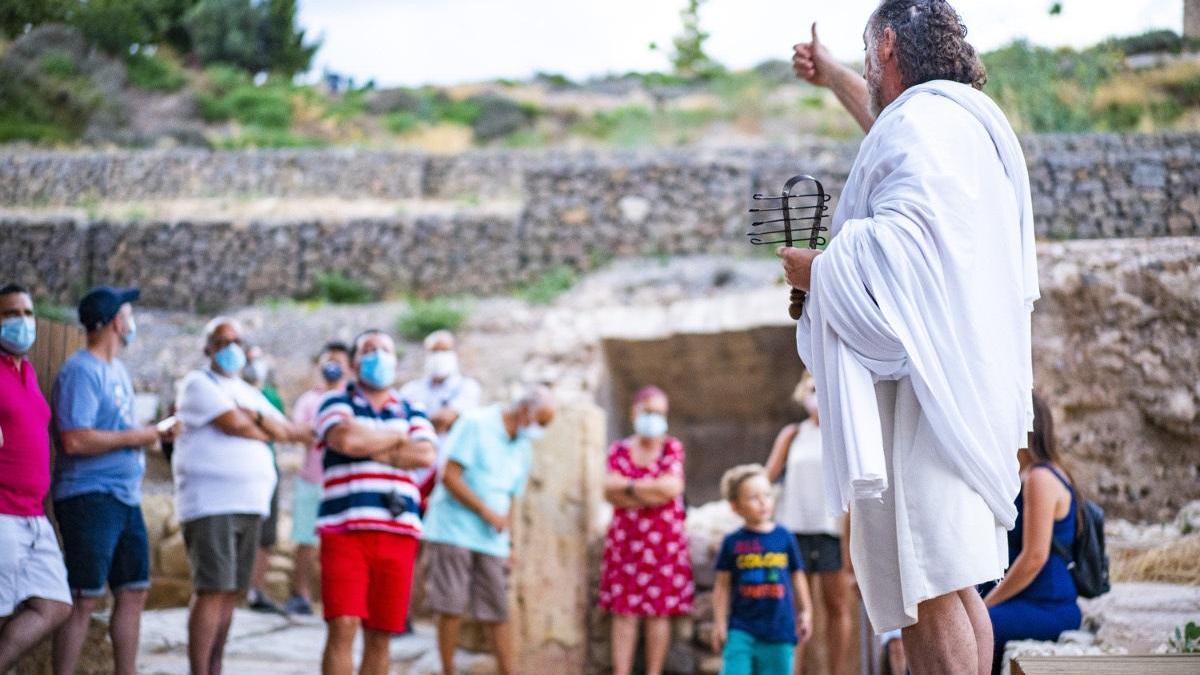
[917, 327]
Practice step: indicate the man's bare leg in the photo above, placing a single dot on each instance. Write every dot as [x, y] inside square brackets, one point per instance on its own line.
[68, 642]
[204, 624]
[216, 663]
[942, 640]
[338, 658]
[502, 645]
[448, 628]
[124, 629]
[376, 652]
[981, 624]
[33, 621]
[835, 595]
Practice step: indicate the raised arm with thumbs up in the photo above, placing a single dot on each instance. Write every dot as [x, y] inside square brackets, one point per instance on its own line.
[813, 63]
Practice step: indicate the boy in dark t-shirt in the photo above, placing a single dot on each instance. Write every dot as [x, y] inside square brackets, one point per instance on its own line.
[760, 599]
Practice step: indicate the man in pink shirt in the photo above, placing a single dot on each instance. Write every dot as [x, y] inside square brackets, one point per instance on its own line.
[34, 597]
[334, 364]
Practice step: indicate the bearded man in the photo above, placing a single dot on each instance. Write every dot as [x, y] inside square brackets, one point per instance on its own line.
[916, 328]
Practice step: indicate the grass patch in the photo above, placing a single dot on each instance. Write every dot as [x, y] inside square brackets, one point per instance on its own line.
[551, 285]
[337, 288]
[425, 316]
[402, 122]
[154, 72]
[58, 63]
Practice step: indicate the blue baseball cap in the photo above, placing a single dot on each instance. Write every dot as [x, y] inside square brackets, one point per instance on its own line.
[102, 303]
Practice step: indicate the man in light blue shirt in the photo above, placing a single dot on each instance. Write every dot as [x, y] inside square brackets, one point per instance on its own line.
[97, 486]
[466, 537]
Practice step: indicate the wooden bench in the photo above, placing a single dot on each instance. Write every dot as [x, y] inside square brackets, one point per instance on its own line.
[1158, 664]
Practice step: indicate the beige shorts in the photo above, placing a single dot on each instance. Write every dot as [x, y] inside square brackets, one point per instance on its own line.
[462, 582]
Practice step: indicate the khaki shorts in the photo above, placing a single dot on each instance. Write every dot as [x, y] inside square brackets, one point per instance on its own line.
[459, 581]
[221, 550]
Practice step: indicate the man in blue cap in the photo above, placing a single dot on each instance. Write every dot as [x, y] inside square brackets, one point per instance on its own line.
[98, 481]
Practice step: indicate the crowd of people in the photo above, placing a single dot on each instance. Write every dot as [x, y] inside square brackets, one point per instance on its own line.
[384, 487]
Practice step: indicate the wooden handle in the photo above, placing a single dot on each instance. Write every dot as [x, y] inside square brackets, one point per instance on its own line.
[796, 308]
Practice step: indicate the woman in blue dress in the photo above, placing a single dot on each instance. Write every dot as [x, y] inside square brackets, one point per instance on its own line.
[1036, 600]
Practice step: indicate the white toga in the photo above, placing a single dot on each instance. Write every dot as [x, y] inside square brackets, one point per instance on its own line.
[917, 331]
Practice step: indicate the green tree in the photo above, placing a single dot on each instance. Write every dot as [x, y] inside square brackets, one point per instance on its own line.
[16, 15]
[253, 36]
[287, 51]
[689, 59]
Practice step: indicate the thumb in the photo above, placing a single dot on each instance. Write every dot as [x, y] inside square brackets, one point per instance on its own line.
[815, 40]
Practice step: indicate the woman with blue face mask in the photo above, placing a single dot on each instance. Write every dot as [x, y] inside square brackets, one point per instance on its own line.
[647, 572]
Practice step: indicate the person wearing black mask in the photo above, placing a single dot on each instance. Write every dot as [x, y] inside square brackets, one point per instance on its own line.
[333, 364]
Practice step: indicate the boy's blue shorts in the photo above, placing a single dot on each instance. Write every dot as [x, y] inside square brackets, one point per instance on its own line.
[747, 655]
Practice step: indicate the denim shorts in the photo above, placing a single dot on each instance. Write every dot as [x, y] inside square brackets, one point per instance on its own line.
[104, 542]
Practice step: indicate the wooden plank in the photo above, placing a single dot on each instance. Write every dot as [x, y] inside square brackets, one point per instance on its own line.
[55, 342]
[1151, 664]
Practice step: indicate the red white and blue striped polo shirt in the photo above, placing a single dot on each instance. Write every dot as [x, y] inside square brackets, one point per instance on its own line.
[360, 493]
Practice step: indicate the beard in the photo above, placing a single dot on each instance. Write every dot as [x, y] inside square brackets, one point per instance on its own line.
[875, 89]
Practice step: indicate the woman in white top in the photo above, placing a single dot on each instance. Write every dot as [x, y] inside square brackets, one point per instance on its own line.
[801, 508]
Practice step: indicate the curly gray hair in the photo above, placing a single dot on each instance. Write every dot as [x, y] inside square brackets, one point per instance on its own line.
[931, 42]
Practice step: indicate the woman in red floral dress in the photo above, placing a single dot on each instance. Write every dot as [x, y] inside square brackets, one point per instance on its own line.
[647, 574]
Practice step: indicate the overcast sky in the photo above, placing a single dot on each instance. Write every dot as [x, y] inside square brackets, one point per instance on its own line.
[409, 42]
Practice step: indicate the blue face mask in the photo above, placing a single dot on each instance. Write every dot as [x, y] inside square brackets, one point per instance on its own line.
[331, 371]
[17, 334]
[650, 425]
[130, 333]
[532, 433]
[378, 369]
[231, 359]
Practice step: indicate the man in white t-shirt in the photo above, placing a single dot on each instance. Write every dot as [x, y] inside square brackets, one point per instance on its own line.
[224, 477]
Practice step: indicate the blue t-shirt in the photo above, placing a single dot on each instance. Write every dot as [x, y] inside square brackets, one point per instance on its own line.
[760, 567]
[495, 468]
[92, 394]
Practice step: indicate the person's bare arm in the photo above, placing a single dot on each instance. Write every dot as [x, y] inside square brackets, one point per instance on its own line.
[656, 491]
[443, 418]
[1037, 531]
[803, 601]
[354, 439]
[239, 422]
[813, 63]
[720, 600]
[410, 455]
[458, 488]
[285, 431]
[779, 452]
[85, 442]
[616, 492]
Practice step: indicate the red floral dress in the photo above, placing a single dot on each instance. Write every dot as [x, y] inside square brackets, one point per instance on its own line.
[647, 570]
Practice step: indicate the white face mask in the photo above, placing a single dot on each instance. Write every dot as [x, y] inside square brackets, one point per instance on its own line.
[441, 365]
[650, 425]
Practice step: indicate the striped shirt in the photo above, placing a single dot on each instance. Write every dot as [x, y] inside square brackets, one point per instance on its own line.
[360, 493]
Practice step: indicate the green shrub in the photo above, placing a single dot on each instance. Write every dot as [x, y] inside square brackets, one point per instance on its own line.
[463, 112]
[268, 106]
[401, 123]
[56, 312]
[58, 63]
[551, 285]
[627, 126]
[154, 73]
[425, 316]
[337, 288]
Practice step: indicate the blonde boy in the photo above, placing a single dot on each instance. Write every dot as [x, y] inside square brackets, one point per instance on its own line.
[760, 600]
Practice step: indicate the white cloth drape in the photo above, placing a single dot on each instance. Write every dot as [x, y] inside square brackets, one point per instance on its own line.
[930, 274]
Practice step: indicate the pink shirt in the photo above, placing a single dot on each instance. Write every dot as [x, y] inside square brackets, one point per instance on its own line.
[305, 412]
[25, 455]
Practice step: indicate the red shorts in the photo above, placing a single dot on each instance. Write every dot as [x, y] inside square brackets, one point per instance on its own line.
[368, 574]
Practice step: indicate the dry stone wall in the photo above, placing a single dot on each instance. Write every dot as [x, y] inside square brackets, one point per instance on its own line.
[579, 210]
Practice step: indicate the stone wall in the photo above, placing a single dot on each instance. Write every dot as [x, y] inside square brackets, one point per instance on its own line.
[579, 210]
[1117, 356]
